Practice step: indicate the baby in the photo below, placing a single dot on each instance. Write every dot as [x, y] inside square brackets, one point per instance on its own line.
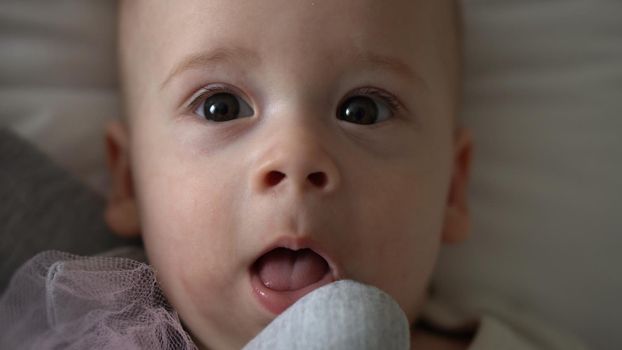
[272, 147]
[293, 169]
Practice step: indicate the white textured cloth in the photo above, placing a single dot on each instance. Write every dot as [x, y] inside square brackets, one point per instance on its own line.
[344, 315]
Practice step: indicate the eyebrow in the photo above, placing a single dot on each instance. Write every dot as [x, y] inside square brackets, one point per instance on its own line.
[389, 63]
[218, 56]
[223, 55]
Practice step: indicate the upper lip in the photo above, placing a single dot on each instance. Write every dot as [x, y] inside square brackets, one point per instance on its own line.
[298, 243]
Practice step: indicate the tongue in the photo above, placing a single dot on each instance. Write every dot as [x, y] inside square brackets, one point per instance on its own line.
[287, 270]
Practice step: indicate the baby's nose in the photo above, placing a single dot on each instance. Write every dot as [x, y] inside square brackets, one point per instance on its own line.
[318, 179]
[302, 167]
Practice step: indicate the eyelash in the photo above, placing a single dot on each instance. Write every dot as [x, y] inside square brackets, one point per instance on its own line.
[206, 92]
[392, 102]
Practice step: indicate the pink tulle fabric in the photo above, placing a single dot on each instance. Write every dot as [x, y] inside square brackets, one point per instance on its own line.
[62, 301]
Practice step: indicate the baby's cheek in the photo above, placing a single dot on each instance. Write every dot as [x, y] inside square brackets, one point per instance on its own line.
[209, 301]
[404, 245]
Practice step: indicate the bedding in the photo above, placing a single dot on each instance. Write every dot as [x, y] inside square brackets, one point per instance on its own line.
[543, 98]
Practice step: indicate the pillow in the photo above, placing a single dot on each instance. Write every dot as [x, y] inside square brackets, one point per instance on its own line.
[543, 100]
[58, 81]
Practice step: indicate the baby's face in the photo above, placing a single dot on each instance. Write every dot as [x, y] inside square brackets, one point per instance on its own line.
[275, 146]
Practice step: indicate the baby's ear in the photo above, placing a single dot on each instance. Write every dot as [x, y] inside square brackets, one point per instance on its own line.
[121, 211]
[457, 217]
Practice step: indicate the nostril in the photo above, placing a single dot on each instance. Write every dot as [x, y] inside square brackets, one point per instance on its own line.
[274, 177]
[318, 179]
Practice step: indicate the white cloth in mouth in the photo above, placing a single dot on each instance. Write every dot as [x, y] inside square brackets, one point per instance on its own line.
[343, 315]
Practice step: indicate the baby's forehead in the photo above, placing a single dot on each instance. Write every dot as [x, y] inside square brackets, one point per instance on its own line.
[157, 37]
[184, 23]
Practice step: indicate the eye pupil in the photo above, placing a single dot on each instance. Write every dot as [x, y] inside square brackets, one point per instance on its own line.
[359, 110]
[221, 107]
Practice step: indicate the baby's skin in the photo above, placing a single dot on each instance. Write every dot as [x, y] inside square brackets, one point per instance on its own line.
[271, 147]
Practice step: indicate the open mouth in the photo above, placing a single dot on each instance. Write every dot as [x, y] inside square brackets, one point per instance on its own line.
[282, 276]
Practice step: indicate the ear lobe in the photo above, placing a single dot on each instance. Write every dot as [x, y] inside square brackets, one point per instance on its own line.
[122, 218]
[457, 217]
[121, 210]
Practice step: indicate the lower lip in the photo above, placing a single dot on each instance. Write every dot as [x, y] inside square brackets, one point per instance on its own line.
[278, 301]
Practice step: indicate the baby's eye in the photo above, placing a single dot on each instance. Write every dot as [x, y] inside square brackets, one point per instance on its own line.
[222, 107]
[364, 110]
